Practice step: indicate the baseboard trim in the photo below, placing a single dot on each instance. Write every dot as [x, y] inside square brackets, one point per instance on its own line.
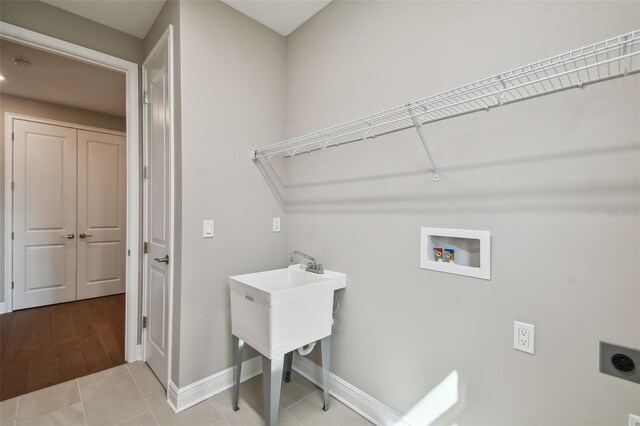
[3, 308]
[180, 399]
[359, 401]
[139, 354]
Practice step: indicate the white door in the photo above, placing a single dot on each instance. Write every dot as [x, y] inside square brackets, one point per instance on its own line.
[101, 214]
[44, 215]
[157, 154]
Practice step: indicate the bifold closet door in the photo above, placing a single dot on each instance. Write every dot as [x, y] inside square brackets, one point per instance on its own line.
[101, 214]
[44, 214]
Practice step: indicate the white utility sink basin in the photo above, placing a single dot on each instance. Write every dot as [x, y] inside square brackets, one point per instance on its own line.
[281, 310]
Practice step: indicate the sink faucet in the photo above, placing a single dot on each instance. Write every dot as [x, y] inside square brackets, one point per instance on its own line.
[312, 266]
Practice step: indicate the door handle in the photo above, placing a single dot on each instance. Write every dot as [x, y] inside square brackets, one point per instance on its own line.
[162, 259]
[85, 236]
[68, 237]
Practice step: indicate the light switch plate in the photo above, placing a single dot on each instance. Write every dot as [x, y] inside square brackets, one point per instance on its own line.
[276, 224]
[208, 229]
[524, 337]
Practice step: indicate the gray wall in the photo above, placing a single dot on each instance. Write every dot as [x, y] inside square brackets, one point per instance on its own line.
[51, 111]
[233, 86]
[58, 23]
[170, 15]
[540, 175]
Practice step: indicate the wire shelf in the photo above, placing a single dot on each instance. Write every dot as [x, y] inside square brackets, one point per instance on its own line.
[601, 61]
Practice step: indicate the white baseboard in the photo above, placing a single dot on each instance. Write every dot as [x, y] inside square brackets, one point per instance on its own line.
[359, 401]
[139, 353]
[180, 399]
[3, 307]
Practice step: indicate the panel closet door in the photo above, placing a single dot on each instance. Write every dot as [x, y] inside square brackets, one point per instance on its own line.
[44, 214]
[101, 214]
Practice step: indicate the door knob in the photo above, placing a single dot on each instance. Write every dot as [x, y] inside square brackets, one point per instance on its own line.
[68, 237]
[162, 259]
[85, 236]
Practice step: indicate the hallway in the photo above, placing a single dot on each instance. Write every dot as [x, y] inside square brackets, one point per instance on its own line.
[44, 346]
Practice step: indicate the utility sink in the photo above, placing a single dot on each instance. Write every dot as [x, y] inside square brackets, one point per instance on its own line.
[281, 310]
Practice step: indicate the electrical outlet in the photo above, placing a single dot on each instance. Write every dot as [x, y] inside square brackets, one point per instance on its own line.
[276, 224]
[524, 337]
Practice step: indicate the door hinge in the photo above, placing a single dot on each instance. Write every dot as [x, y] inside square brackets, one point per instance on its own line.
[13, 186]
[13, 136]
[145, 248]
[13, 235]
[145, 172]
[145, 97]
[144, 322]
[13, 284]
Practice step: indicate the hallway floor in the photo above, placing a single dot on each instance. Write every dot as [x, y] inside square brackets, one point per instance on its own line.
[131, 395]
[40, 347]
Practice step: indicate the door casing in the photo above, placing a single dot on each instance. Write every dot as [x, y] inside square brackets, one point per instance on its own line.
[133, 321]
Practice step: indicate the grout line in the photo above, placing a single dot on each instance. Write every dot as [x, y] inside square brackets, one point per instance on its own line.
[298, 402]
[293, 417]
[84, 413]
[222, 417]
[135, 417]
[15, 414]
[141, 394]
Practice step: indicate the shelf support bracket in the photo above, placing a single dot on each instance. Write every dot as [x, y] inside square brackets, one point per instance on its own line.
[418, 126]
[625, 51]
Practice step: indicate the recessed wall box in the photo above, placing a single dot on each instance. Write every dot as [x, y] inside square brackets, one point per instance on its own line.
[472, 251]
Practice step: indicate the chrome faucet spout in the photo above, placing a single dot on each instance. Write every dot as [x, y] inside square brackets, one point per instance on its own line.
[312, 266]
[301, 254]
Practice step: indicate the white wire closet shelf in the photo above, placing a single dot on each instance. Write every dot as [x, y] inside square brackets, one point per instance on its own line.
[600, 61]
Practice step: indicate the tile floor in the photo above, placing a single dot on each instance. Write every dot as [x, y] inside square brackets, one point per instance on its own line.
[131, 395]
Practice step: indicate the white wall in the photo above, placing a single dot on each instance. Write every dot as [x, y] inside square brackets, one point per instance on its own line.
[232, 98]
[540, 175]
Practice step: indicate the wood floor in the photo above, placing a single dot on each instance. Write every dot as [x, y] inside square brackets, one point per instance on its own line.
[43, 346]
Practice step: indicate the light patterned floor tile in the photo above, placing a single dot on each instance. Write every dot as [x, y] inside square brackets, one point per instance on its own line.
[112, 401]
[309, 412]
[102, 375]
[8, 410]
[46, 400]
[145, 378]
[145, 419]
[202, 414]
[251, 406]
[297, 389]
[67, 416]
[115, 396]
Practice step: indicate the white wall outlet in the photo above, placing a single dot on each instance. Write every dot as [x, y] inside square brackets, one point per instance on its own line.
[208, 229]
[276, 224]
[524, 337]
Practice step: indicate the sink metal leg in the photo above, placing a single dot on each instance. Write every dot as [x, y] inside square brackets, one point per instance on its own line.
[288, 362]
[271, 382]
[238, 347]
[325, 345]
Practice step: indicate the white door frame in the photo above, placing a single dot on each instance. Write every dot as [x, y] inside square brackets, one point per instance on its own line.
[133, 351]
[166, 38]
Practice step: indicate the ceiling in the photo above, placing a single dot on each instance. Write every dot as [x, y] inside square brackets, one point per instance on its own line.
[133, 17]
[282, 16]
[60, 80]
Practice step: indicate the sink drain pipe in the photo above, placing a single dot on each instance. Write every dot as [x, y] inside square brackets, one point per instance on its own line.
[306, 349]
